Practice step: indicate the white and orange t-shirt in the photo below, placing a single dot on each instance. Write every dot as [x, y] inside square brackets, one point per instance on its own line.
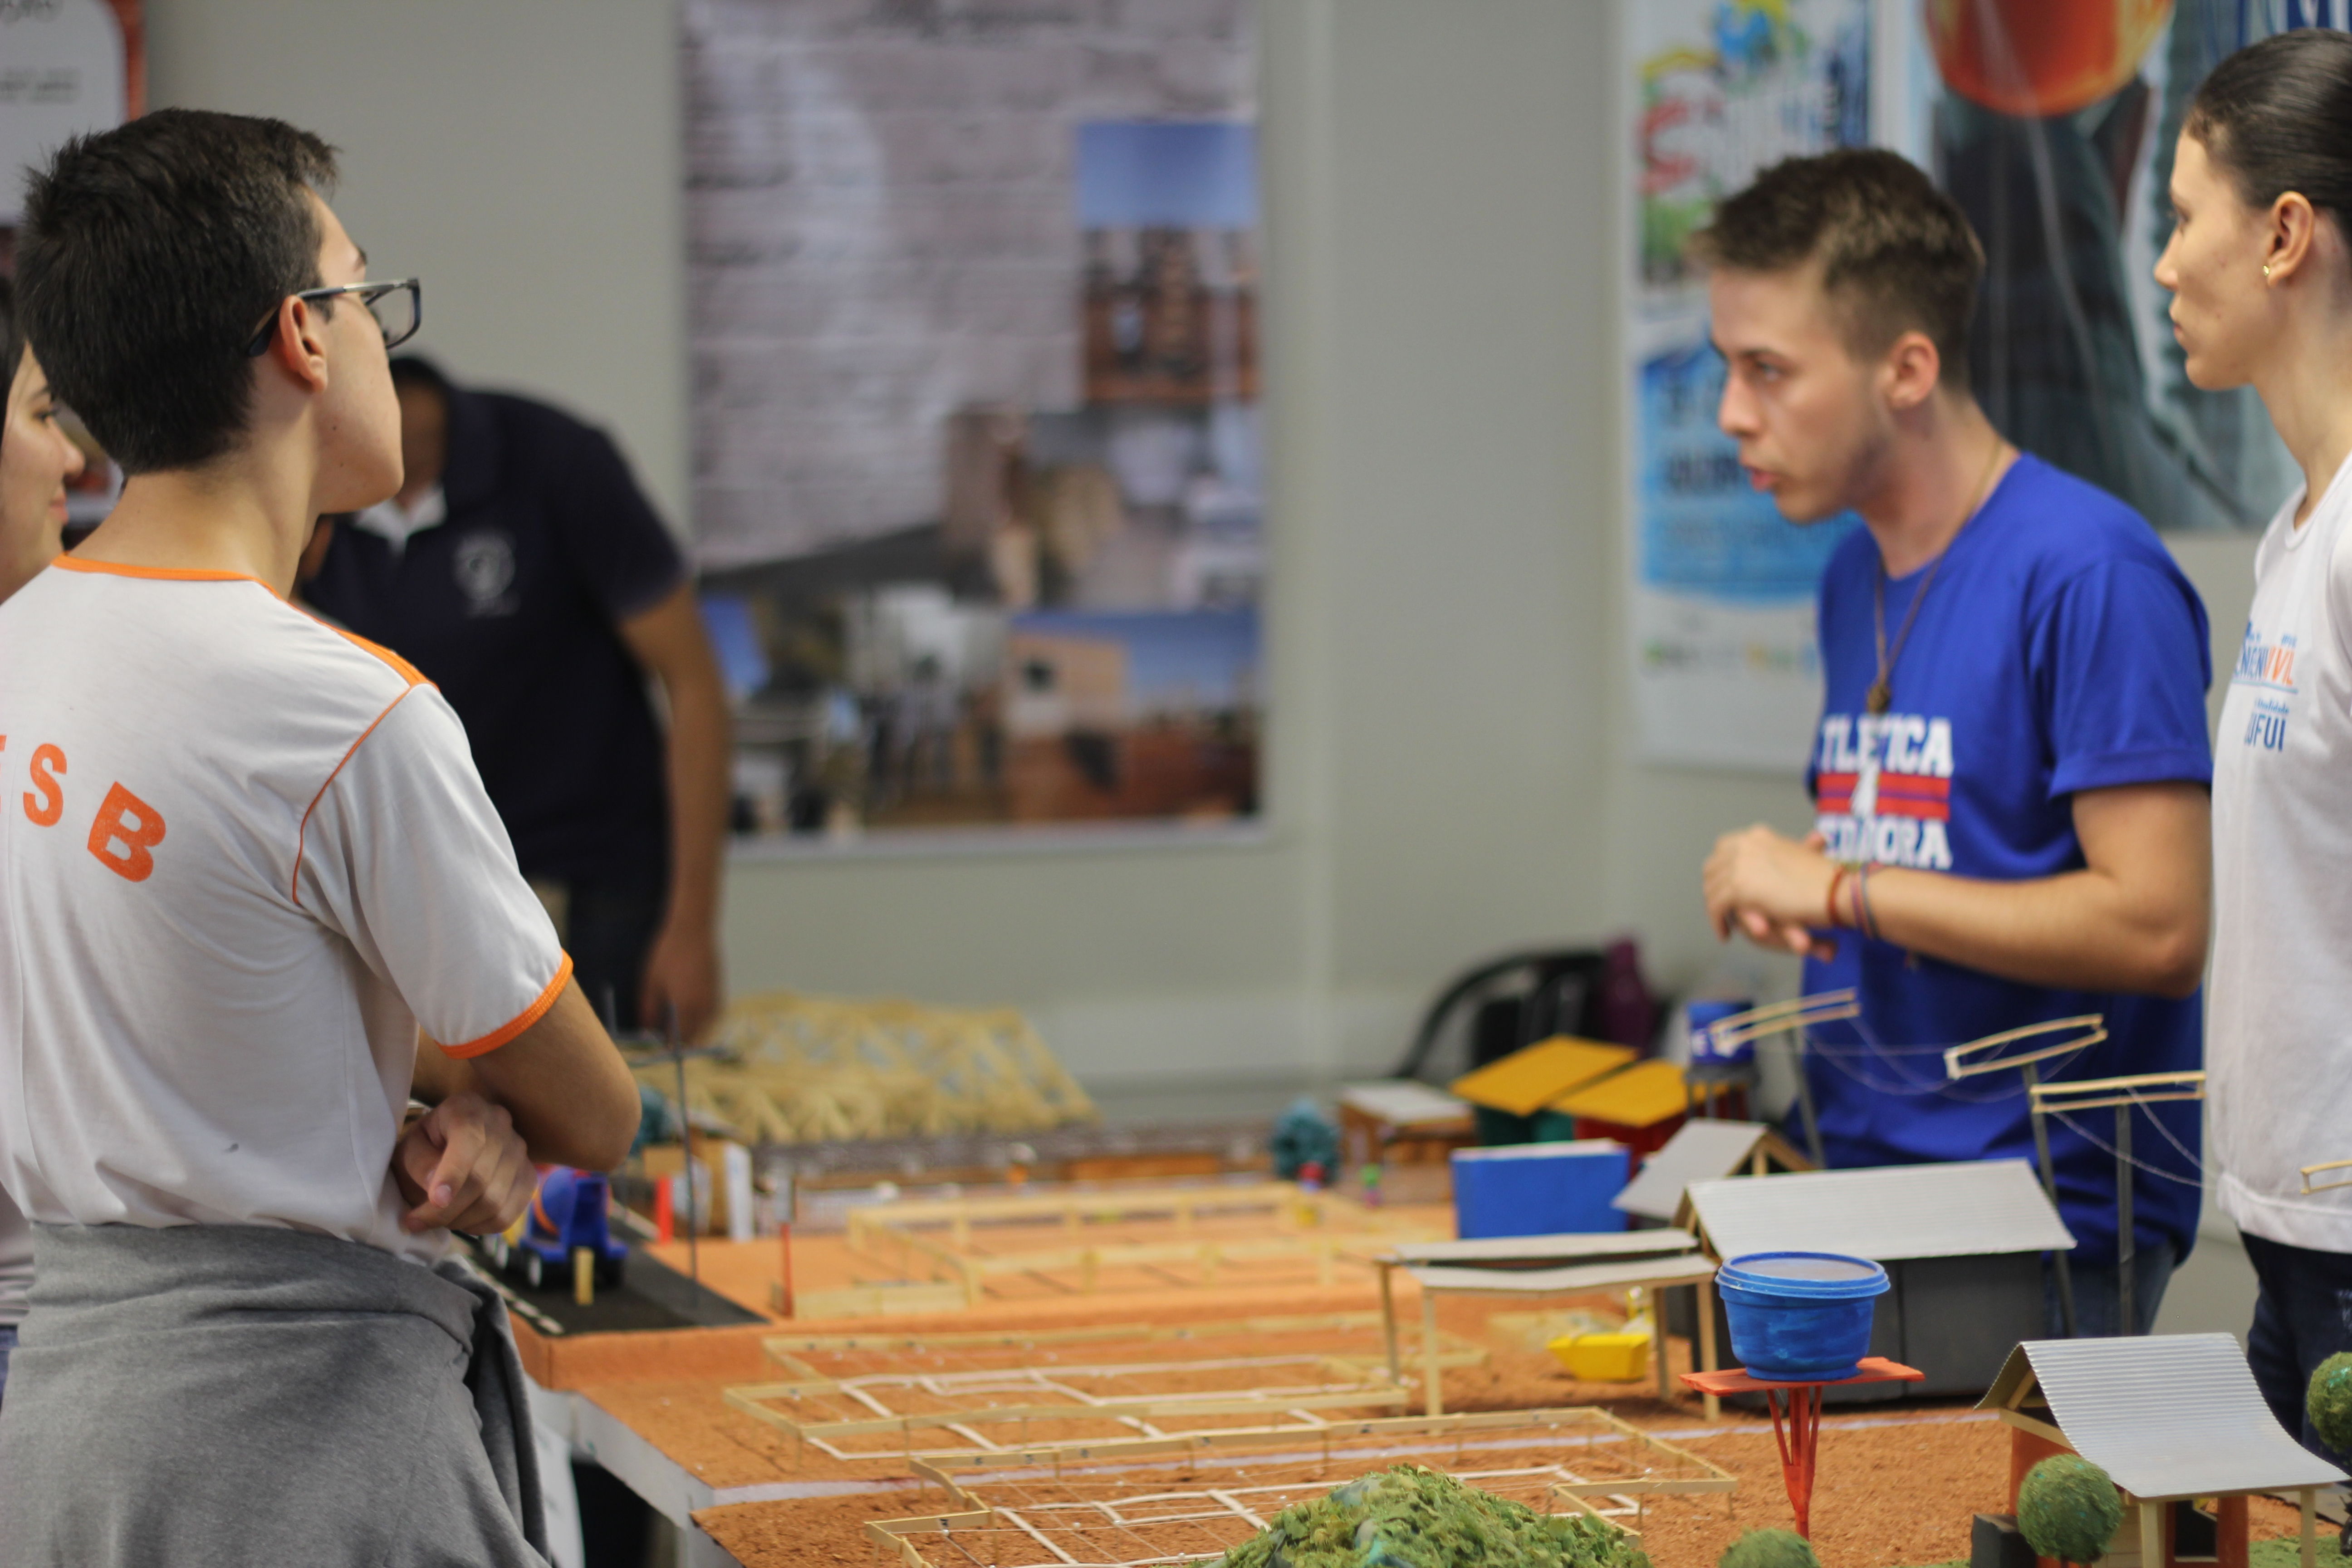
[243, 856]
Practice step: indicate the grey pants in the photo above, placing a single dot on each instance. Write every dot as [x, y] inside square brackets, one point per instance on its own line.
[233, 1393]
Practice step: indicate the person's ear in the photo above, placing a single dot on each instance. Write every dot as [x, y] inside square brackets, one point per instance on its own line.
[2292, 235]
[1911, 370]
[298, 345]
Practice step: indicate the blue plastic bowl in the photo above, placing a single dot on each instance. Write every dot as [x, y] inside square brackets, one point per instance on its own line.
[1799, 1317]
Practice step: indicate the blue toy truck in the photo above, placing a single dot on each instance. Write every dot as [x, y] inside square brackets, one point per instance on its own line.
[568, 1212]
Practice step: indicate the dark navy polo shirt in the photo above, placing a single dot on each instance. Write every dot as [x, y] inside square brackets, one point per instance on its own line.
[511, 606]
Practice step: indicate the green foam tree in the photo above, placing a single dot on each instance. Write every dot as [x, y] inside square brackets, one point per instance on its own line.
[1769, 1549]
[2329, 1402]
[2068, 1508]
[1410, 1517]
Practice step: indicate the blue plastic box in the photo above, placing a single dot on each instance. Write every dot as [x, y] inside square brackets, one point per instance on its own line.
[1540, 1189]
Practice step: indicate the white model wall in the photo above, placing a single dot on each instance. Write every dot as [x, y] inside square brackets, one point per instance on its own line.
[1448, 773]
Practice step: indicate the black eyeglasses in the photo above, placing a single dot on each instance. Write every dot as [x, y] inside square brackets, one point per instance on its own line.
[398, 309]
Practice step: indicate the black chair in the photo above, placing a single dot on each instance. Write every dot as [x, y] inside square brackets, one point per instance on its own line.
[1505, 1003]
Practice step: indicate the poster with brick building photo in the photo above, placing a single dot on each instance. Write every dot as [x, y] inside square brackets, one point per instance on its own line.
[979, 464]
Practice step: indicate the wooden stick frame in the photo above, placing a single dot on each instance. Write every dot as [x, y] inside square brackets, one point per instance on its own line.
[959, 1477]
[1959, 1063]
[1321, 1223]
[1782, 1017]
[2310, 1171]
[1360, 1382]
[785, 1350]
[2098, 1093]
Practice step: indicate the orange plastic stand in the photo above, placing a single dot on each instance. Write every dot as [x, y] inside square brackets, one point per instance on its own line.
[1799, 1433]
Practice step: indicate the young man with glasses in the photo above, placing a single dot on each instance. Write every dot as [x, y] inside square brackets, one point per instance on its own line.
[2009, 775]
[243, 859]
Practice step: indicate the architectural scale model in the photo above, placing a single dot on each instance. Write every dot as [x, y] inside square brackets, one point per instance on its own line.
[860, 1397]
[1117, 1510]
[1162, 1237]
[787, 1069]
[2171, 1418]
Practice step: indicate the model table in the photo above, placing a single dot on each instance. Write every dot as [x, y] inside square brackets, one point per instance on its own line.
[1798, 1429]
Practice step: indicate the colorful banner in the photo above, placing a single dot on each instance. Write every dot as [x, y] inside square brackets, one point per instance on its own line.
[2057, 140]
[1725, 670]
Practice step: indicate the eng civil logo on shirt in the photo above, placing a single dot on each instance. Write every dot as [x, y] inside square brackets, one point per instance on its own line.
[2267, 668]
[1882, 787]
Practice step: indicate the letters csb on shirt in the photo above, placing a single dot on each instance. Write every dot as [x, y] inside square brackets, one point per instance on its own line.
[123, 831]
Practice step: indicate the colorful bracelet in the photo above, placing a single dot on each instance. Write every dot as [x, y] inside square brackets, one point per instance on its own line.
[1869, 922]
[1829, 904]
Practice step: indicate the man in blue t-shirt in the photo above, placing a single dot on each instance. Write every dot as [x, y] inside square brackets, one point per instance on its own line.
[2010, 775]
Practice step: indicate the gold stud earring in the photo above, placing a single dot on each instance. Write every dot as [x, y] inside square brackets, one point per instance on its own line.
[2266, 271]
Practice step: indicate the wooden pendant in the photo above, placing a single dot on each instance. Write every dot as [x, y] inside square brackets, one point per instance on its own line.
[1880, 698]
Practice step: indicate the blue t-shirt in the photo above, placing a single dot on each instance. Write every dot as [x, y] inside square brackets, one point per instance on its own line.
[2059, 649]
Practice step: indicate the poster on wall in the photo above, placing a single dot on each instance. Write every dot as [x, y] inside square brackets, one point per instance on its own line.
[2057, 142]
[978, 483]
[2052, 123]
[66, 67]
[1726, 670]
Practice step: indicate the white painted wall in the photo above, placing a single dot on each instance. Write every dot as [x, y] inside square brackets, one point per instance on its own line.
[1447, 774]
[521, 156]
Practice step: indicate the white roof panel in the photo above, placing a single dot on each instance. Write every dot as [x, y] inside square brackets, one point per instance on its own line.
[1499, 1250]
[1886, 1214]
[1702, 1151]
[2167, 1416]
[1683, 1269]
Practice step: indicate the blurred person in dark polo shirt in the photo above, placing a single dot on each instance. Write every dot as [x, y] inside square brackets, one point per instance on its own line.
[523, 572]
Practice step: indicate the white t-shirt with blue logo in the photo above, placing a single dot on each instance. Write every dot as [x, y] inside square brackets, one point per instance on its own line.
[2059, 649]
[2280, 1052]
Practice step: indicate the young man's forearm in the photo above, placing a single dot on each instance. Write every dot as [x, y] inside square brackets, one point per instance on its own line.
[2081, 930]
[2133, 920]
[561, 1080]
[681, 978]
[702, 753]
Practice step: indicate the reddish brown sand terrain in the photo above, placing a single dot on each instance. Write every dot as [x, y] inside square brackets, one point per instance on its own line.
[1898, 1484]
[1900, 1492]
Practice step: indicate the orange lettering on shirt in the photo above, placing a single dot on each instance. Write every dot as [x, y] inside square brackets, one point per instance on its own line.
[137, 837]
[44, 814]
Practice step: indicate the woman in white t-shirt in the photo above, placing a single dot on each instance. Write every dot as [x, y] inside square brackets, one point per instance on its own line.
[2261, 273]
[35, 462]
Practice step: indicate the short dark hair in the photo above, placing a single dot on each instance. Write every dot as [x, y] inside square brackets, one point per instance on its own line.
[150, 255]
[2278, 117]
[1895, 253]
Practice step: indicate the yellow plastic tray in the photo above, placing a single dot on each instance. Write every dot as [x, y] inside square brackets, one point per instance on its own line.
[1528, 1080]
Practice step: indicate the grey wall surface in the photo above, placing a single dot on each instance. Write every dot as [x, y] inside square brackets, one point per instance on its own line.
[521, 156]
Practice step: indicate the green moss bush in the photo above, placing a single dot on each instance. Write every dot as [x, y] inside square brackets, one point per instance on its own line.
[2068, 1508]
[1769, 1549]
[1410, 1517]
[2329, 1402]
